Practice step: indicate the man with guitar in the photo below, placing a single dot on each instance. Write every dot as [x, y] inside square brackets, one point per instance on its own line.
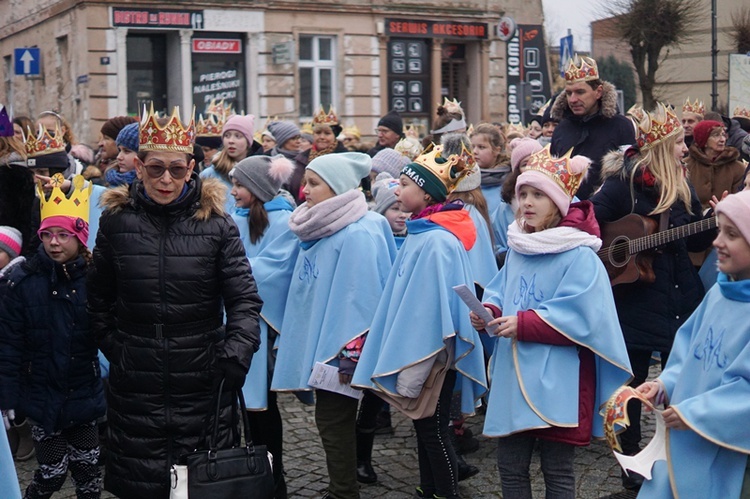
[650, 217]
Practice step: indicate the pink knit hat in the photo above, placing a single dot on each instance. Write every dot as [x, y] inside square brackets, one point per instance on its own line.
[736, 207]
[522, 148]
[243, 124]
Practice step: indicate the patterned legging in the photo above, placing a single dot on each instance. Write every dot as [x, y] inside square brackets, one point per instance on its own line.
[76, 449]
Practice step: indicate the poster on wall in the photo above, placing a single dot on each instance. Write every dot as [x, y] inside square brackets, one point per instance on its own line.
[409, 76]
[527, 63]
[739, 82]
[218, 68]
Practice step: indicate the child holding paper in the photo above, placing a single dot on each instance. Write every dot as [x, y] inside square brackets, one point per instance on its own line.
[706, 382]
[559, 352]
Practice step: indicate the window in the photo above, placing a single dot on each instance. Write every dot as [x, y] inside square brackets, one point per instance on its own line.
[317, 73]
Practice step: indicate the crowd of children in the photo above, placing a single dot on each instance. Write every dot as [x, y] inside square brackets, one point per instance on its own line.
[356, 259]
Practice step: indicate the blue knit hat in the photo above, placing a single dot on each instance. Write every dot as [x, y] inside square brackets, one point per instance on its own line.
[128, 137]
[342, 171]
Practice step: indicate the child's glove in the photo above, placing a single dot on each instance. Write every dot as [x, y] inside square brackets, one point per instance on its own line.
[8, 416]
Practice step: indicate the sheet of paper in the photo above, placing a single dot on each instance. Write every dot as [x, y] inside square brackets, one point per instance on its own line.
[325, 377]
[656, 450]
[467, 296]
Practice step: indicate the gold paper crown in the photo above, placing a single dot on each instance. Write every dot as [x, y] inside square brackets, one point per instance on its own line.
[587, 71]
[409, 146]
[412, 131]
[556, 169]
[219, 110]
[515, 128]
[58, 204]
[741, 112]
[43, 143]
[542, 109]
[449, 171]
[173, 137]
[211, 126]
[693, 107]
[636, 112]
[352, 130]
[453, 106]
[323, 118]
[306, 128]
[650, 130]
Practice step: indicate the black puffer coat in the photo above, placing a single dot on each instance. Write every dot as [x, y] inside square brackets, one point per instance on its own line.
[650, 314]
[161, 278]
[49, 369]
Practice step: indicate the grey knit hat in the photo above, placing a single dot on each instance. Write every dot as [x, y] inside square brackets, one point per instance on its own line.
[283, 131]
[384, 192]
[471, 181]
[262, 175]
[390, 161]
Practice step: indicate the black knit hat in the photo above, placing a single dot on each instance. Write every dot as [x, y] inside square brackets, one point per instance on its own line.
[393, 121]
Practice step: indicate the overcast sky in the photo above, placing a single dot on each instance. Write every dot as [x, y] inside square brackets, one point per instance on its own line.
[561, 15]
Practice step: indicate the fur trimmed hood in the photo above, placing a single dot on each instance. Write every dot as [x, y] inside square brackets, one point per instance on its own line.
[614, 165]
[211, 202]
[608, 101]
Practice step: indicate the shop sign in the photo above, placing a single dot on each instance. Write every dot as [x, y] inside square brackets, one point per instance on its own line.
[527, 63]
[408, 76]
[216, 46]
[436, 29]
[157, 18]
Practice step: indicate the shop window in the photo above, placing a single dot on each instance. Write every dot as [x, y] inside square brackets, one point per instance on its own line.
[147, 72]
[317, 73]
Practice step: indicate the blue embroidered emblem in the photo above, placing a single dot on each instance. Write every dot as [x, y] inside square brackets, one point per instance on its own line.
[710, 352]
[309, 271]
[526, 293]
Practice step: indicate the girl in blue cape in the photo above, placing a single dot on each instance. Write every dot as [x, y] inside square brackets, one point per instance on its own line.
[262, 215]
[384, 193]
[706, 382]
[8, 479]
[345, 256]
[420, 323]
[559, 352]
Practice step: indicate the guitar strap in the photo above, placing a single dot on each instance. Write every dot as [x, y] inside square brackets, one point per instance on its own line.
[664, 221]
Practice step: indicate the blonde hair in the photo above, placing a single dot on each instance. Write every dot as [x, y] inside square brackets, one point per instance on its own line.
[10, 145]
[222, 163]
[552, 220]
[671, 177]
[496, 140]
[68, 136]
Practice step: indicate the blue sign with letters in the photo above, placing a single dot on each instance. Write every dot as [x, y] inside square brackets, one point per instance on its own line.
[27, 61]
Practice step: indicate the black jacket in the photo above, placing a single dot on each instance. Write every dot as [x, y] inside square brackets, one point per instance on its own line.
[162, 277]
[591, 136]
[650, 314]
[49, 368]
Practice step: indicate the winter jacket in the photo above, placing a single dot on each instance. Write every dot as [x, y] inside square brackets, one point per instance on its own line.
[651, 313]
[162, 276]
[711, 177]
[49, 369]
[18, 206]
[591, 136]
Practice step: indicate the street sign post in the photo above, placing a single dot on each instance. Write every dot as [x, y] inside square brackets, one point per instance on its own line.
[566, 52]
[27, 61]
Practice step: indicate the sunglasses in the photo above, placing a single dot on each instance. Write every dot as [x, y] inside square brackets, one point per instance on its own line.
[62, 237]
[176, 172]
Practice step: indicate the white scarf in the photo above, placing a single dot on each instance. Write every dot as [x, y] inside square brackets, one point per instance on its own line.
[328, 217]
[554, 240]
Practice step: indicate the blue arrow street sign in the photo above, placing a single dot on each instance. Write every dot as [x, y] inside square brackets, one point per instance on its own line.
[27, 61]
[566, 52]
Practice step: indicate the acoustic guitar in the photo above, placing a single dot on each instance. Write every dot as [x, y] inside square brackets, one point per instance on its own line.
[626, 243]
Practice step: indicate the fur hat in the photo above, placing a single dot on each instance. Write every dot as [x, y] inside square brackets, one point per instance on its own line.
[10, 241]
[128, 137]
[262, 175]
[283, 131]
[111, 128]
[389, 161]
[522, 148]
[243, 124]
[393, 121]
[702, 131]
[384, 192]
[342, 171]
[736, 207]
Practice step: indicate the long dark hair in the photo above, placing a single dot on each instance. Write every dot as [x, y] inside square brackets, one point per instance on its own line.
[257, 220]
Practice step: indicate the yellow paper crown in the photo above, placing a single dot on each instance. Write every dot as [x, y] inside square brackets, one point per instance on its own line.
[651, 130]
[557, 169]
[449, 170]
[173, 137]
[323, 118]
[76, 205]
[741, 112]
[515, 128]
[353, 131]
[306, 128]
[696, 107]
[587, 71]
[43, 143]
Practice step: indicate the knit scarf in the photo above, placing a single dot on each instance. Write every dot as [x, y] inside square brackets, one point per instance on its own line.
[314, 153]
[328, 217]
[554, 240]
[115, 178]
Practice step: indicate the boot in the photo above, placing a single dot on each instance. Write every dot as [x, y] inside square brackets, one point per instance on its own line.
[25, 450]
[465, 470]
[279, 491]
[365, 440]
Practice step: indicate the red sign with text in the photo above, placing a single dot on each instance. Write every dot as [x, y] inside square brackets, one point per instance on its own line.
[216, 46]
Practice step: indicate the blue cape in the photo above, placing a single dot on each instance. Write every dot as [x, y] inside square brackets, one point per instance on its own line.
[9, 488]
[95, 211]
[492, 196]
[501, 218]
[481, 255]
[211, 172]
[420, 314]
[537, 384]
[707, 379]
[272, 261]
[336, 285]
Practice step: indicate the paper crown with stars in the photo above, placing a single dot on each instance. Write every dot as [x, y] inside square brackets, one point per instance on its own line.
[584, 70]
[655, 127]
[174, 136]
[44, 143]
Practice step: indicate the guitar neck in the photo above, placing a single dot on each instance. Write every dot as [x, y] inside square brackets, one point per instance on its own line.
[667, 236]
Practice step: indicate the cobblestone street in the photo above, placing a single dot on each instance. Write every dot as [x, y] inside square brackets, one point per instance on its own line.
[395, 461]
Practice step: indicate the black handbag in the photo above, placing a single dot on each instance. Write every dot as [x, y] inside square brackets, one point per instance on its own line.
[241, 471]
